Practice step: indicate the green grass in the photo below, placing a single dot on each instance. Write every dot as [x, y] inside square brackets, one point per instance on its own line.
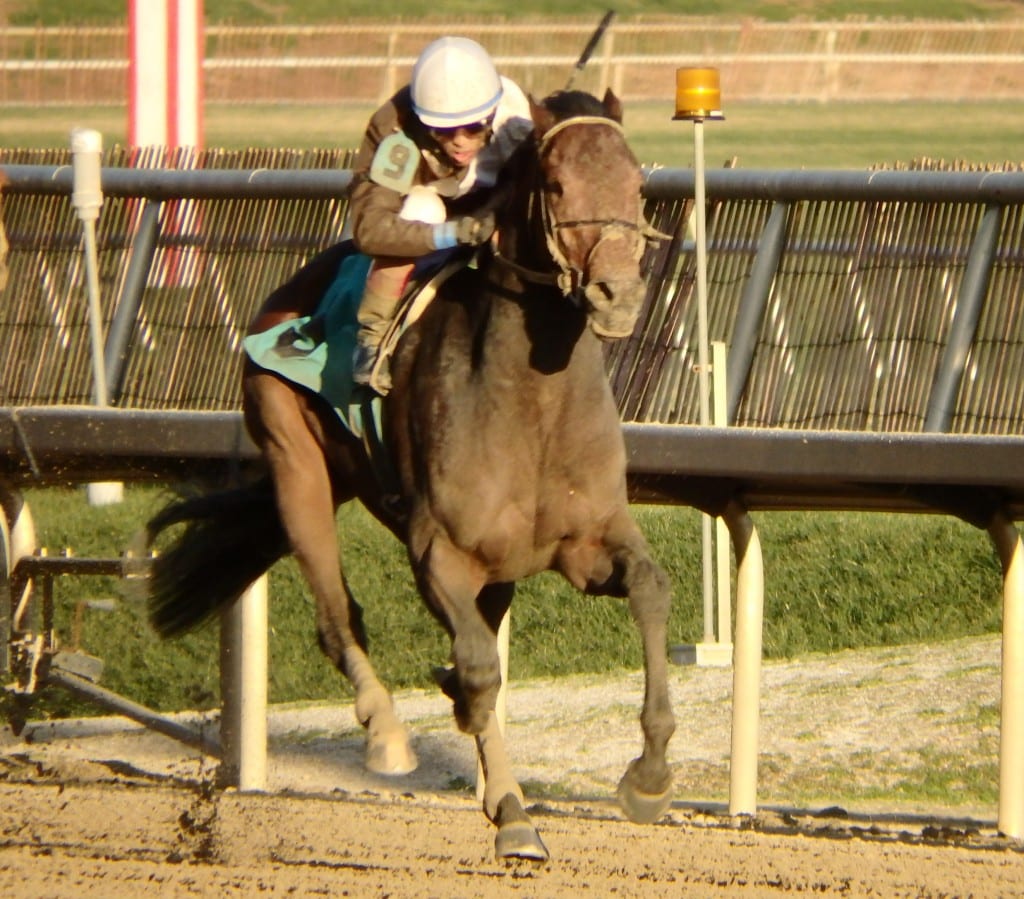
[833, 581]
[929, 777]
[757, 135]
[836, 135]
[254, 12]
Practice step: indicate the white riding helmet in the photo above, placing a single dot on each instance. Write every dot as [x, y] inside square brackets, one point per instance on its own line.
[454, 83]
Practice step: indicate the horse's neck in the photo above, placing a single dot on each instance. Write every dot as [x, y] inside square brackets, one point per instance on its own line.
[534, 328]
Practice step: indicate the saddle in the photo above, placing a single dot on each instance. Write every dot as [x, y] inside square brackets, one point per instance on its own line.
[418, 295]
[315, 351]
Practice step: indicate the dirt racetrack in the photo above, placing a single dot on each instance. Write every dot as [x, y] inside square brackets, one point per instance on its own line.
[120, 840]
[101, 809]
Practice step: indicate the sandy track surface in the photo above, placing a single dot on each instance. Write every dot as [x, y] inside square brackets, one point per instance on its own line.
[102, 808]
[119, 840]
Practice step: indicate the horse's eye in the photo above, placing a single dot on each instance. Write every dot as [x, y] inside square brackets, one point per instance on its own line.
[554, 188]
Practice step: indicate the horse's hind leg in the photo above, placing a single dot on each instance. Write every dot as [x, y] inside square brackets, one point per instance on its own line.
[307, 507]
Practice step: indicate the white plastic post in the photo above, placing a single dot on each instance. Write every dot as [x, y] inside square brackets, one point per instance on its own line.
[87, 198]
[17, 540]
[713, 650]
[16, 511]
[746, 678]
[1011, 732]
[243, 679]
[699, 202]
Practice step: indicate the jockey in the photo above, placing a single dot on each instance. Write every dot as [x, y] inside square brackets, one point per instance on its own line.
[423, 171]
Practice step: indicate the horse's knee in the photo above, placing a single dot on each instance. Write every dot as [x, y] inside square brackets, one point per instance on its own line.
[478, 672]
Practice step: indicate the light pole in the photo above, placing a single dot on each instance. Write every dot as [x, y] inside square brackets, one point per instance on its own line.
[698, 99]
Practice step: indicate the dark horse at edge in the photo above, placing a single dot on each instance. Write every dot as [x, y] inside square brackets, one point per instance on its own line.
[508, 448]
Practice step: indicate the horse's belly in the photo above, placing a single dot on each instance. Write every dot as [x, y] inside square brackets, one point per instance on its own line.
[520, 539]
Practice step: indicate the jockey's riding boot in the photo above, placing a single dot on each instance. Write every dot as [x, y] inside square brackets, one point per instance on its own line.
[363, 358]
[381, 296]
[368, 368]
[365, 355]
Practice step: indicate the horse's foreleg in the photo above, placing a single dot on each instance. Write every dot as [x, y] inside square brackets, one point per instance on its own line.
[307, 508]
[454, 586]
[645, 790]
[503, 799]
[452, 583]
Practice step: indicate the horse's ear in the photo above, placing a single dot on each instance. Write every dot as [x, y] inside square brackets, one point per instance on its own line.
[612, 106]
[542, 117]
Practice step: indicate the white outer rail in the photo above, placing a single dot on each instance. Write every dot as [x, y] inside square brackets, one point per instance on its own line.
[243, 686]
[1011, 733]
[747, 670]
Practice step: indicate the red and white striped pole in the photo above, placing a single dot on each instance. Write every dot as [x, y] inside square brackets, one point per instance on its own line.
[165, 101]
[165, 110]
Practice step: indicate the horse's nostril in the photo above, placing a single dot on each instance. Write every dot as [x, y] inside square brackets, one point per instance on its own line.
[625, 290]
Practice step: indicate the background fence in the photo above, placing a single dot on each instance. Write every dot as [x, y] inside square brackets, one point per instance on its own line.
[792, 61]
[886, 301]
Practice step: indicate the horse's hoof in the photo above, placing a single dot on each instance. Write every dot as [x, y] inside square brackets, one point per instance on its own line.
[519, 841]
[640, 807]
[391, 758]
[517, 838]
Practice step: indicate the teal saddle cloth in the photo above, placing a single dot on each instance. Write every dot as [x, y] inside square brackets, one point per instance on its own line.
[315, 351]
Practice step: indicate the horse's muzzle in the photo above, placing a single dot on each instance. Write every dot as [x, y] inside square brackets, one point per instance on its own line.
[613, 307]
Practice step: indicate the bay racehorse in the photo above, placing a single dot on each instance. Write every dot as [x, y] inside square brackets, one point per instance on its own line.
[507, 446]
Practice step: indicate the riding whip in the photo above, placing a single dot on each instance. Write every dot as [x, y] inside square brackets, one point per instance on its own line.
[588, 51]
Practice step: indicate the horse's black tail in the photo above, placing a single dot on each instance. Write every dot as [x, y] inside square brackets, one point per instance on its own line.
[230, 539]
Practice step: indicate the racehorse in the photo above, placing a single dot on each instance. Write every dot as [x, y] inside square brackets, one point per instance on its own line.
[507, 446]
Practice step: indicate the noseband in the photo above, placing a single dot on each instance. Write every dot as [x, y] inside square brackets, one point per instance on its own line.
[570, 278]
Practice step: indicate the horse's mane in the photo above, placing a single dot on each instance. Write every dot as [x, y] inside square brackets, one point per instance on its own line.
[566, 104]
[562, 104]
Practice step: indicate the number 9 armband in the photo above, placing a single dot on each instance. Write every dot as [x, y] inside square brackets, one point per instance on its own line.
[395, 162]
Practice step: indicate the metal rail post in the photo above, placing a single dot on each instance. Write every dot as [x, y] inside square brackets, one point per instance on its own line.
[722, 654]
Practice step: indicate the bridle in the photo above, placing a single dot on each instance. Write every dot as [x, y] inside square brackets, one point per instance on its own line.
[570, 278]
